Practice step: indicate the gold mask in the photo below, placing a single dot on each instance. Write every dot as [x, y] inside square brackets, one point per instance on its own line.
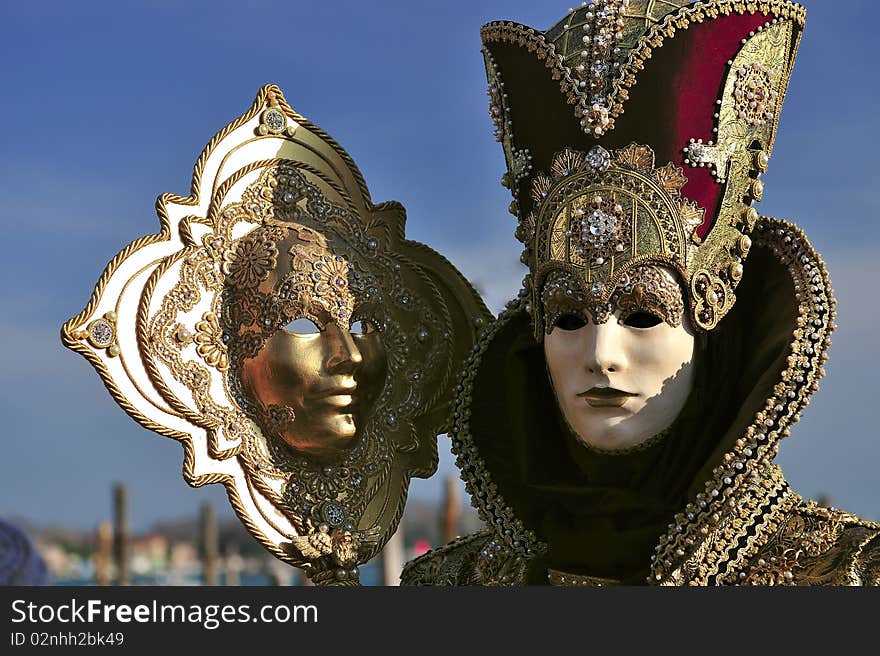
[304, 389]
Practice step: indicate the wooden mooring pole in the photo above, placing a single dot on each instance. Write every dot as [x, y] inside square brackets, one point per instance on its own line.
[120, 533]
[103, 553]
[210, 543]
[451, 513]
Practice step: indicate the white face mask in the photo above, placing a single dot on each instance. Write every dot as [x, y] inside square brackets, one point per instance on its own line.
[627, 378]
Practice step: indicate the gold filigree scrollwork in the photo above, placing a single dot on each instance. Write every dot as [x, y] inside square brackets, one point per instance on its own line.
[644, 288]
[754, 94]
[648, 288]
[813, 546]
[562, 294]
[712, 299]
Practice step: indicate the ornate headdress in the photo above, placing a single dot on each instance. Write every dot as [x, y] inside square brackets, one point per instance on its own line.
[623, 147]
[280, 225]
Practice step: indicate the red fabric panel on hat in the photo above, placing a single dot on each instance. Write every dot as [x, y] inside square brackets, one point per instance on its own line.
[699, 83]
[673, 100]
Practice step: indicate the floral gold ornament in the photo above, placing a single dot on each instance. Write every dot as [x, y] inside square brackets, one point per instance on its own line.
[250, 262]
[195, 332]
[637, 157]
[754, 94]
[598, 229]
[211, 346]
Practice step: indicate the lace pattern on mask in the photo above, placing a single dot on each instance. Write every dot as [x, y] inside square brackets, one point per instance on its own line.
[645, 288]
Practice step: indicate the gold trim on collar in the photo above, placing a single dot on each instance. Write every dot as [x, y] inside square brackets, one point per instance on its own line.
[563, 579]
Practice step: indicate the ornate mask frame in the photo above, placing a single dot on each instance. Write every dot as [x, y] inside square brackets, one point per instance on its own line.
[174, 316]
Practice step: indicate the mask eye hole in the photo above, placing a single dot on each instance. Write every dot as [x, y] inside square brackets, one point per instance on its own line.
[302, 326]
[570, 322]
[642, 320]
[362, 327]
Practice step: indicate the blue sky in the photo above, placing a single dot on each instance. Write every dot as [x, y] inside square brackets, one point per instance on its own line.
[108, 104]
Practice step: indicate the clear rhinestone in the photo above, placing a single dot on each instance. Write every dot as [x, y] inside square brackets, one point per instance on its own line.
[698, 152]
[597, 229]
[275, 121]
[599, 159]
[596, 288]
[101, 333]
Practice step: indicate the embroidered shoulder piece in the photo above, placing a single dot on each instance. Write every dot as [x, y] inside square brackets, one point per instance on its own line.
[451, 564]
[818, 546]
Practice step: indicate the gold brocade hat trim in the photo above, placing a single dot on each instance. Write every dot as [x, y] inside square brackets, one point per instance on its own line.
[280, 225]
[598, 51]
